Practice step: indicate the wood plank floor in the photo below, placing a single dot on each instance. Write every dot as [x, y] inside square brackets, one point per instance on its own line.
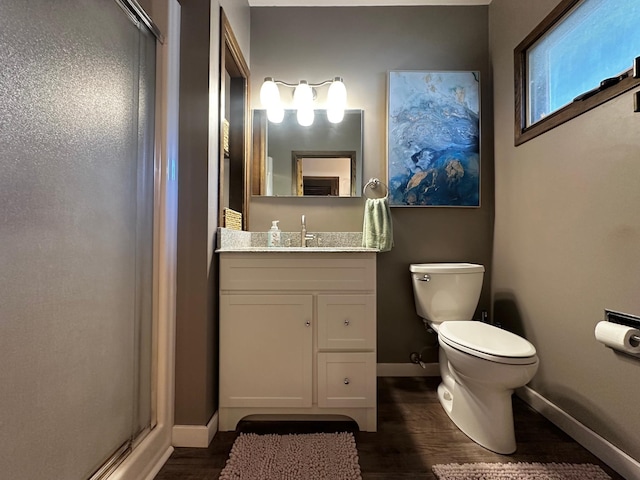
[414, 433]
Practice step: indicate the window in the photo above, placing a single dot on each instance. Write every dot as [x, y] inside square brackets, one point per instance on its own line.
[579, 57]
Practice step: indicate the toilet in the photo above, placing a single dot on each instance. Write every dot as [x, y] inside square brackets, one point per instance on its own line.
[480, 364]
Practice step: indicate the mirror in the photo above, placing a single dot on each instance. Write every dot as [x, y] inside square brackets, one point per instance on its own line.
[324, 159]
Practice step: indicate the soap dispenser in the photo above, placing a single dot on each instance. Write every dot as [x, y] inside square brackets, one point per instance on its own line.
[273, 235]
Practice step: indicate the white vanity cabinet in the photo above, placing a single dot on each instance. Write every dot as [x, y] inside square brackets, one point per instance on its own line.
[298, 336]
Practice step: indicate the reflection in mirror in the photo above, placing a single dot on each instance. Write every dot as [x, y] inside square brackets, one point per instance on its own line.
[325, 173]
[234, 155]
[324, 159]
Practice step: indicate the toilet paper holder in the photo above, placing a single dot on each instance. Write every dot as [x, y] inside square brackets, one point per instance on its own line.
[623, 319]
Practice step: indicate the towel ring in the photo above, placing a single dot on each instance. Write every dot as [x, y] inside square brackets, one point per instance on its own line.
[374, 184]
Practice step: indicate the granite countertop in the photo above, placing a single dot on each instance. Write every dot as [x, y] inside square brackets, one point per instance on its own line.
[297, 249]
[329, 242]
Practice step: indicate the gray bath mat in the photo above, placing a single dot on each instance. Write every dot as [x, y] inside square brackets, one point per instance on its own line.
[317, 456]
[519, 471]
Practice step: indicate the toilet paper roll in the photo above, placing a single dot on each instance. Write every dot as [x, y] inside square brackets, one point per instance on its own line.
[619, 337]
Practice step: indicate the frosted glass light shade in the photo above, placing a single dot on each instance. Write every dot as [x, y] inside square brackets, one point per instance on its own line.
[335, 115]
[337, 94]
[305, 116]
[336, 101]
[269, 94]
[275, 114]
[303, 96]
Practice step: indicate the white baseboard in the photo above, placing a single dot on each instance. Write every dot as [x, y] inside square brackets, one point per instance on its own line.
[408, 370]
[601, 448]
[198, 436]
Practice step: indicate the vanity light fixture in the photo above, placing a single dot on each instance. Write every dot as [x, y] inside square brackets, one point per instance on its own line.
[304, 94]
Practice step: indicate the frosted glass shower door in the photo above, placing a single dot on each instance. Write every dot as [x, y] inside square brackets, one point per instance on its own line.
[76, 235]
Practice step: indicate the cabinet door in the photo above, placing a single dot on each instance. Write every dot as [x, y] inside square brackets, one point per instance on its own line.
[347, 322]
[266, 350]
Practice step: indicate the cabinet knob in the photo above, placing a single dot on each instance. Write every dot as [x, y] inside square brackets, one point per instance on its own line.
[346, 323]
[307, 323]
[346, 381]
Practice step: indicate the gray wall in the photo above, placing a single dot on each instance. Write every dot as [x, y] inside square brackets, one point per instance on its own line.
[361, 44]
[196, 374]
[567, 240]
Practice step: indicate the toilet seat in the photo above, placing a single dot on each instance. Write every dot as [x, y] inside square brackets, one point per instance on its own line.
[487, 342]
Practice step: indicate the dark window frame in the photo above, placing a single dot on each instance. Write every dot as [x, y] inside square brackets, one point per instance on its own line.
[523, 133]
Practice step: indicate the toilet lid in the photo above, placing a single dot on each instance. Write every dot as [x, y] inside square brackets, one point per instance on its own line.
[488, 342]
[446, 268]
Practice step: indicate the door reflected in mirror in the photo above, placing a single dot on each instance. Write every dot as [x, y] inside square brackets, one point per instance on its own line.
[327, 174]
[324, 159]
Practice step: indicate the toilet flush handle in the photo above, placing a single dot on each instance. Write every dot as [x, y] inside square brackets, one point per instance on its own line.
[424, 278]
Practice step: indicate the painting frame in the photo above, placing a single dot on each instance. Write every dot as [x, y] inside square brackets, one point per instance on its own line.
[433, 138]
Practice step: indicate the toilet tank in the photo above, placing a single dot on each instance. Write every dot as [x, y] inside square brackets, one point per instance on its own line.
[446, 291]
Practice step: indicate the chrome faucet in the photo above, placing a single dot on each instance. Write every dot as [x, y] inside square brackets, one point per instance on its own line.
[304, 236]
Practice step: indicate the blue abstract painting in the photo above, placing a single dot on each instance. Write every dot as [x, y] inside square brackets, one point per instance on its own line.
[433, 138]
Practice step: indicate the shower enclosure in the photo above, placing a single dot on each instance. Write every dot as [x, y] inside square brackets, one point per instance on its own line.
[77, 96]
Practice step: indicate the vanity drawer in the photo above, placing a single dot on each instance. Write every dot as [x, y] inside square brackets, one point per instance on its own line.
[347, 380]
[346, 322]
[297, 271]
